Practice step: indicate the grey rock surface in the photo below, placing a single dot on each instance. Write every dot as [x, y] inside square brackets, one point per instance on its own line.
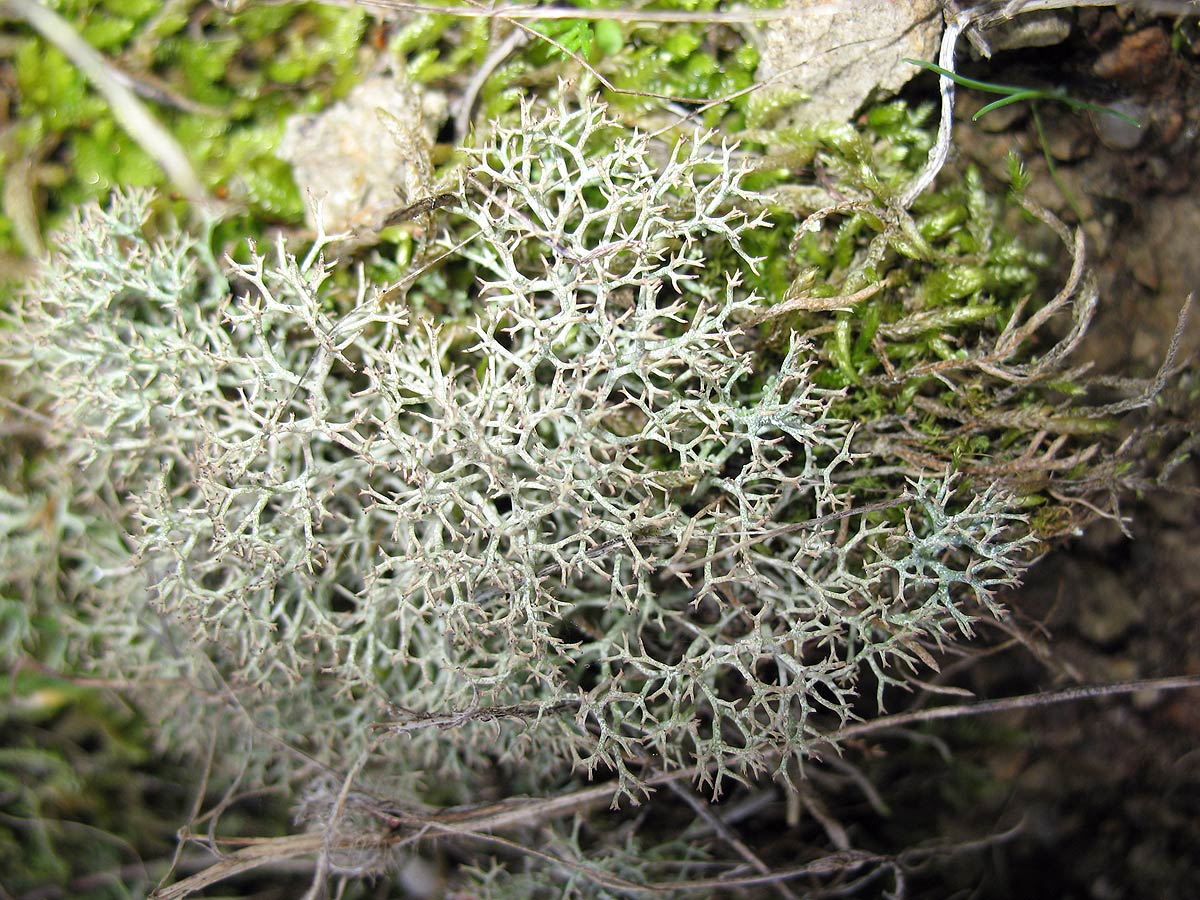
[841, 55]
[366, 156]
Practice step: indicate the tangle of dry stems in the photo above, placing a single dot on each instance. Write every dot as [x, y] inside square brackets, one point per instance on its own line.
[404, 828]
[401, 827]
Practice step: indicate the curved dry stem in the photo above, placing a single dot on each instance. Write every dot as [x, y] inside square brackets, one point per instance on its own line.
[481, 823]
[1025, 701]
[973, 21]
[127, 109]
[527, 12]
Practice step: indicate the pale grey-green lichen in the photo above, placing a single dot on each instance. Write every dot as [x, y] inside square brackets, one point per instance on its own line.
[606, 528]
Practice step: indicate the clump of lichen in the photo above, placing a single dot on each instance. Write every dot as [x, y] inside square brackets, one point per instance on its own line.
[646, 458]
[598, 508]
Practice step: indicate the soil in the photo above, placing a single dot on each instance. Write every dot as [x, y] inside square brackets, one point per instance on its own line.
[1104, 794]
[1107, 792]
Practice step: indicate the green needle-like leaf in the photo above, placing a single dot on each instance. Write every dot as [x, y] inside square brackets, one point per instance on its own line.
[1015, 94]
[1030, 95]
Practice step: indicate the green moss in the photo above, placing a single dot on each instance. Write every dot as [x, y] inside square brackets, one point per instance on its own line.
[249, 70]
[953, 272]
[437, 47]
[106, 157]
[52, 89]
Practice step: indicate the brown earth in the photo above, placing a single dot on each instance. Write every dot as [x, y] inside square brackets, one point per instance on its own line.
[1108, 791]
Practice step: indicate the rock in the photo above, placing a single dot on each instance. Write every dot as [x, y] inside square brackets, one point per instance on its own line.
[1116, 133]
[1138, 59]
[1037, 29]
[850, 55]
[366, 156]
[1107, 611]
[1067, 137]
[1143, 264]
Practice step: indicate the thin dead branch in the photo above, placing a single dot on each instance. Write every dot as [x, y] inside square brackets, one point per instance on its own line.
[1026, 701]
[481, 823]
[127, 109]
